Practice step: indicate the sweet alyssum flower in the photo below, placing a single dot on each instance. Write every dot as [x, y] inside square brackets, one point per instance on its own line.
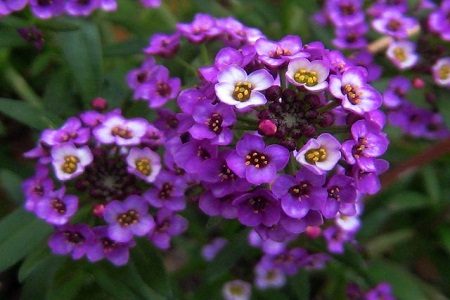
[236, 87]
[319, 155]
[236, 290]
[402, 54]
[310, 75]
[441, 71]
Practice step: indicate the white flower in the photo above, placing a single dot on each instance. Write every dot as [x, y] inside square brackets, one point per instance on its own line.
[236, 88]
[69, 161]
[311, 75]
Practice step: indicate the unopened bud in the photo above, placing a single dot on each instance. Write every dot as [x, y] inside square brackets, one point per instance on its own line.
[99, 104]
[313, 231]
[418, 83]
[98, 210]
[267, 127]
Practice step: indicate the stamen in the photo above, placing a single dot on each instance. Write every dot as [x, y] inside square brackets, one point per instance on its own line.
[316, 155]
[309, 78]
[143, 165]
[242, 91]
[70, 164]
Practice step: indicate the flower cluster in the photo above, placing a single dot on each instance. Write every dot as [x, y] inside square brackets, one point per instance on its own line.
[45, 9]
[284, 137]
[415, 39]
[382, 291]
[95, 182]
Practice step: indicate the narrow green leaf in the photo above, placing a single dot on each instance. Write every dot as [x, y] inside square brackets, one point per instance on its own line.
[405, 285]
[33, 261]
[11, 182]
[69, 288]
[431, 183]
[24, 113]
[130, 47]
[299, 284]
[10, 38]
[20, 233]
[113, 286]
[378, 245]
[227, 256]
[83, 53]
[146, 257]
[407, 200]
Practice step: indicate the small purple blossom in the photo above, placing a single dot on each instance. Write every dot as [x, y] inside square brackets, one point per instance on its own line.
[256, 162]
[45, 9]
[258, 207]
[441, 71]
[73, 239]
[57, 207]
[168, 192]
[81, 8]
[210, 250]
[319, 155]
[167, 225]
[120, 131]
[236, 88]
[128, 218]
[341, 196]
[394, 23]
[275, 54]
[345, 12]
[203, 28]
[69, 161]
[236, 290]
[71, 131]
[310, 75]
[271, 278]
[144, 163]
[402, 54]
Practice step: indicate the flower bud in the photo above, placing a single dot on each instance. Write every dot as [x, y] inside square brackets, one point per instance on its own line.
[267, 127]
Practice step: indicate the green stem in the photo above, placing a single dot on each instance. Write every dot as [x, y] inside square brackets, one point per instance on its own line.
[282, 75]
[167, 16]
[204, 55]
[247, 120]
[328, 107]
[21, 87]
[185, 64]
[244, 127]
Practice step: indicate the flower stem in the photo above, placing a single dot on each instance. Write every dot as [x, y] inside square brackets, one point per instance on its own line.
[328, 106]
[185, 64]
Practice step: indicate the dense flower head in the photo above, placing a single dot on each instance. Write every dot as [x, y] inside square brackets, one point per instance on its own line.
[101, 162]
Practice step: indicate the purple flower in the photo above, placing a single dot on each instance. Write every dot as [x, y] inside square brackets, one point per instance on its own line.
[257, 207]
[311, 75]
[128, 218]
[116, 252]
[236, 88]
[7, 7]
[268, 278]
[193, 155]
[356, 95]
[210, 250]
[439, 22]
[319, 155]
[73, 239]
[368, 182]
[441, 71]
[31, 35]
[167, 225]
[395, 94]
[236, 290]
[368, 143]
[159, 88]
[168, 192]
[301, 193]
[115, 129]
[394, 23]
[37, 187]
[402, 54]
[81, 8]
[335, 238]
[151, 3]
[165, 45]
[274, 54]
[57, 207]
[202, 28]
[256, 162]
[212, 122]
[287, 261]
[381, 6]
[144, 163]
[71, 131]
[381, 291]
[137, 77]
[345, 12]
[351, 37]
[45, 9]
[108, 5]
[218, 206]
[341, 196]
[268, 246]
[69, 161]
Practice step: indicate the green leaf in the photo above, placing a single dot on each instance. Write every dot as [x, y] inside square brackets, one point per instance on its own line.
[406, 200]
[377, 245]
[20, 233]
[227, 256]
[83, 53]
[444, 234]
[10, 38]
[11, 183]
[25, 113]
[69, 288]
[146, 257]
[32, 262]
[300, 285]
[113, 286]
[431, 183]
[58, 24]
[405, 285]
[130, 47]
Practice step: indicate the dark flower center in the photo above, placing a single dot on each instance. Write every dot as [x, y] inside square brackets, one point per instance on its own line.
[108, 244]
[256, 159]
[203, 153]
[242, 91]
[128, 218]
[394, 25]
[58, 205]
[166, 190]
[258, 203]
[215, 123]
[163, 89]
[359, 148]
[75, 238]
[226, 173]
[347, 9]
[45, 2]
[299, 190]
[333, 192]
[141, 77]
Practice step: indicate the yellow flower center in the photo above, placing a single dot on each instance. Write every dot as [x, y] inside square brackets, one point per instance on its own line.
[444, 72]
[70, 164]
[400, 54]
[143, 165]
[308, 78]
[242, 91]
[316, 155]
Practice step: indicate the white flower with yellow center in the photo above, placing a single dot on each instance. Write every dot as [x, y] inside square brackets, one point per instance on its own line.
[311, 75]
[69, 161]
